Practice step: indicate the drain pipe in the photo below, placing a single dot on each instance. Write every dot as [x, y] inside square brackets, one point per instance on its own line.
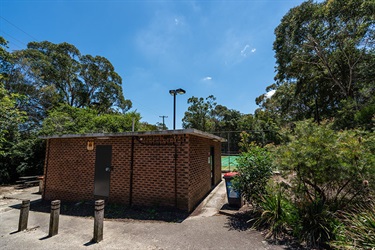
[175, 173]
[131, 172]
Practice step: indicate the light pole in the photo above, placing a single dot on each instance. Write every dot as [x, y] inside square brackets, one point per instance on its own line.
[175, 92]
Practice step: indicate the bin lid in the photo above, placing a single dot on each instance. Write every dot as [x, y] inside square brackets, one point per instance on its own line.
[230, 174]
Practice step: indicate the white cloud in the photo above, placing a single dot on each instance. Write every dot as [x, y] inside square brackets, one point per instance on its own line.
[270, 93]
[234, 47]
[243, 51]
[207, 78]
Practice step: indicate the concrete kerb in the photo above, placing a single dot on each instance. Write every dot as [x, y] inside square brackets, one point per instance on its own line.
[211, 204]
[212, 194]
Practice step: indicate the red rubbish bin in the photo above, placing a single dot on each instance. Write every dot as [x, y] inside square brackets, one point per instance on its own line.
[234, 197]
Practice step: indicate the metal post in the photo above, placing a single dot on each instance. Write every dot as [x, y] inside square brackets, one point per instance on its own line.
[98, 222]
[54, 218]
[174, 111]
[163, 117]
[174, 92]
[228, 149]
[24, 215]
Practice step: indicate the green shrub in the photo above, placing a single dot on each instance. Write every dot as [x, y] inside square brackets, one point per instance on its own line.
[255, 170]
[329, 171]
[327, 165]
[315, 225]
[277, 212]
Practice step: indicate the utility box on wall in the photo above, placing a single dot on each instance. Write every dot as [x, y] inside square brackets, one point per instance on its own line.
[161, 168]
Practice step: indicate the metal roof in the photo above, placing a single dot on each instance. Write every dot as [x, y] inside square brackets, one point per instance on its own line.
[189, 131]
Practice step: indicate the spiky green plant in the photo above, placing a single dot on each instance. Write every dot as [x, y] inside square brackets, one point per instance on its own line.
[357, 230]
[316, 224]
[277, 212]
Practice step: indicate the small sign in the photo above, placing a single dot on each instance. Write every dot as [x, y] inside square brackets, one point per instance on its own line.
[90, 145]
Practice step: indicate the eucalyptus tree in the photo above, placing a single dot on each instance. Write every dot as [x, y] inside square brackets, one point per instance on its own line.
[102, 85]
[199, 113]
[325, 56]
[51, 74]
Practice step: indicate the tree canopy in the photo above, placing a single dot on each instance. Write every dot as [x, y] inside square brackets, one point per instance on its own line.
[72, 120]
[325, 61]
[50, 74]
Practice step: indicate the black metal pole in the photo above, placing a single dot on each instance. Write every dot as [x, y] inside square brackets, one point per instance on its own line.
[174, 111]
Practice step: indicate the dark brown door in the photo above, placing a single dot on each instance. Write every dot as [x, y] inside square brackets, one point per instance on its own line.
[102, 170]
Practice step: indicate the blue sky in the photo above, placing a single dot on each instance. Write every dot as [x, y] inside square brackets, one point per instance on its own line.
[223, 48]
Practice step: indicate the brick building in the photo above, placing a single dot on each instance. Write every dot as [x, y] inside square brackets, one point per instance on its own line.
[163, 168]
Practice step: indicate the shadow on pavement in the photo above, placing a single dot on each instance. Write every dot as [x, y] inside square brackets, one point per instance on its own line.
[112, 211]
[244, 220]
[91, 242]
[240, 221]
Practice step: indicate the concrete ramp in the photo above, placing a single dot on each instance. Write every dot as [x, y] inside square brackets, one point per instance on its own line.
[211, 205]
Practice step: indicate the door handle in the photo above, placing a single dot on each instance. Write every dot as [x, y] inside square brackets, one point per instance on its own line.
[108, 169]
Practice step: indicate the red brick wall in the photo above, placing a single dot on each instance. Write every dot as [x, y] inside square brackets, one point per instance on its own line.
[70, 170]
[120, 177]
[70, 174]
[154, 171]
[200, 169]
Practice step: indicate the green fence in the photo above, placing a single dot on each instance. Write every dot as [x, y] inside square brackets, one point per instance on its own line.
[229, 162]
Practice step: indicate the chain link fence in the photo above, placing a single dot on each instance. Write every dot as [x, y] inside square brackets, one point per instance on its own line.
[230, 150]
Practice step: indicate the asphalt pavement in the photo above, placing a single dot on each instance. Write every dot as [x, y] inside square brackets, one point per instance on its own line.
[205, 228]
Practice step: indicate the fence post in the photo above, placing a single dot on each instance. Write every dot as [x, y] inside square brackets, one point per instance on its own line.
[54, 218]
[98, 223]
[24, 215]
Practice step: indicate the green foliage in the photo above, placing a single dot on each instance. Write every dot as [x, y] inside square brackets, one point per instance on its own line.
[145, 126]
[28, 156]
[5, 60]
[329, 166]
[52, 74]
[255, 170]
[330, 172]
[20, 151]
[207, 115]
[316, 224]
[358, 229]
[277, 212]
[10, 118]
[199, 113]
[325, 59]
[70, 120]
[328, 178]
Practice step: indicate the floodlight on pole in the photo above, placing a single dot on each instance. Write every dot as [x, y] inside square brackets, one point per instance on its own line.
[175, 92]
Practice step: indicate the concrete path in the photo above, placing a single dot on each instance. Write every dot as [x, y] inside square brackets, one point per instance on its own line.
[204, 229]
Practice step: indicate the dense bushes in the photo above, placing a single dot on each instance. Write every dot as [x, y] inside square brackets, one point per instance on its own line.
[255, 170]
[326, 174]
